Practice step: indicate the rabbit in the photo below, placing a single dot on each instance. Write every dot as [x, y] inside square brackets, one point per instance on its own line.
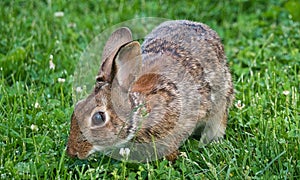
[150, 98]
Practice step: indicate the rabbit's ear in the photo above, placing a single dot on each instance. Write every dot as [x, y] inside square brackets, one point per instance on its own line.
[128, 64]
[118, 39]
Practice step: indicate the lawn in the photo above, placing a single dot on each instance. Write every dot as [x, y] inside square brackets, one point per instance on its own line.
[262, 44]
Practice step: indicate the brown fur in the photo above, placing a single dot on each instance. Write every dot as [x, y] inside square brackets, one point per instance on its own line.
[77, 145]
[145, 83]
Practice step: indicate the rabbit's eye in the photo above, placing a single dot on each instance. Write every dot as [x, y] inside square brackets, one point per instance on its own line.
[98, 118]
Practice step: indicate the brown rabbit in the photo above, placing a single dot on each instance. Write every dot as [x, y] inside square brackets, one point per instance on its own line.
[150, 98]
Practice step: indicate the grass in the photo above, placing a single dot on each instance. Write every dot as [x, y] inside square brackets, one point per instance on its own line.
[261, 38]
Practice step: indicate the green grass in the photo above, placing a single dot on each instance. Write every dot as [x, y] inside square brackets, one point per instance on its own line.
[261, 38]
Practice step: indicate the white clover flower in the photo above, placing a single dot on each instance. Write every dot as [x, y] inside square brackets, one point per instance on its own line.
[34, 127]
[51, 64]
[286, 92]
[78, 89]
[61, 80]
[72, 25]
[124, 152]
[183, 154]
[239, 105]
[59, 14]
[37, 105]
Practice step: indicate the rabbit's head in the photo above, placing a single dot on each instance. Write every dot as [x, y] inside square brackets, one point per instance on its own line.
[95, 125]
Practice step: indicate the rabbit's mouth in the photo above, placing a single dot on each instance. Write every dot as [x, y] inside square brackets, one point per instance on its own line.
[80, 150]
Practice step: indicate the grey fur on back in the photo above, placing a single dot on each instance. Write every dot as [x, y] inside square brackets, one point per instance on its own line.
[200, 51]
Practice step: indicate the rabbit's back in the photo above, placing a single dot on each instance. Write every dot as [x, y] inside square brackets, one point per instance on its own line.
[198, 49]
[183, 38]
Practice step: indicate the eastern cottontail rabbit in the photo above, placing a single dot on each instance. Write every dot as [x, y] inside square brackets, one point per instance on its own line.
[150, 98]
